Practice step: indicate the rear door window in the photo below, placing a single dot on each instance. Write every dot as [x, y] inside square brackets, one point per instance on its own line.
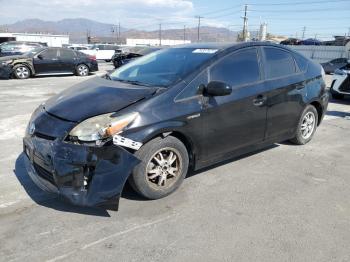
[49, 54]
[302, 62]
[278, 63]
[67, 54]
[237, 69]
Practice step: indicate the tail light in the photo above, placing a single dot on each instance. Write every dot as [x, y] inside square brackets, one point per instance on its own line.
[92, 57]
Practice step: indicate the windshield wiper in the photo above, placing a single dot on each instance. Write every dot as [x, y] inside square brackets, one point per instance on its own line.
[133, 82]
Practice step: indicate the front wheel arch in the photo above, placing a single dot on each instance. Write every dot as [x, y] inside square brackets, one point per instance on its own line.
[186, 140]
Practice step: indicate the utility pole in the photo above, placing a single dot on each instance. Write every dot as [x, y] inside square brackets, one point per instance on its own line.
[349, 32]
[119, 30]
[303, 35]
[199, 25]
[245, 24]
[184, 33]
[160, 34]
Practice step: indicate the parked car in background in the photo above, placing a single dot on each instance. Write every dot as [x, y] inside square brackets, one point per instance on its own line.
[341, 82]
[78, 48]
[291, 41]
[47, 61]
[125, 56]
[102, 51]
[310, 41]
[152, 120]
[18, 48]
[331, 66]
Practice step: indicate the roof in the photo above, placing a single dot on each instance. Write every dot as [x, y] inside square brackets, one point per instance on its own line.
[222, 46]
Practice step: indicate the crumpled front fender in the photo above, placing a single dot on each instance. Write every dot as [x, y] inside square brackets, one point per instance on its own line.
[84, 175]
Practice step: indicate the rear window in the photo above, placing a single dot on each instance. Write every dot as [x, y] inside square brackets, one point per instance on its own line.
[278, 63]
[301, 61]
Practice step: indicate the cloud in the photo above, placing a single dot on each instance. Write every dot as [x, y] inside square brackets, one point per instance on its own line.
[110, 11]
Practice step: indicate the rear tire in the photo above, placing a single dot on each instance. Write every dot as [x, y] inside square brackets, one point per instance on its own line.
[21, 71]
[163, 168]
[307, 126]
[82, 70]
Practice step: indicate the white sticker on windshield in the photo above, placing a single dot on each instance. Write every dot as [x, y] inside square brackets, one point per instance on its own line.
[205, 51]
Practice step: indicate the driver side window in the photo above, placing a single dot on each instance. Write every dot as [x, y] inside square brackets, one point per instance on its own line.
[191, 90]
[237, 69]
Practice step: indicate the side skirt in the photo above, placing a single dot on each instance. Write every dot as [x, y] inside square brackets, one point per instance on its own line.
[242, 151]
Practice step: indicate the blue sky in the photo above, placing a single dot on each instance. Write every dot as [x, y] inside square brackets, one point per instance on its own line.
[285, 17]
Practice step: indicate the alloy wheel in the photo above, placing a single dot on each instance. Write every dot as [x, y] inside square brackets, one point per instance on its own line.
[22, 72]
[308, 125]
[83, 70]
[164, 168]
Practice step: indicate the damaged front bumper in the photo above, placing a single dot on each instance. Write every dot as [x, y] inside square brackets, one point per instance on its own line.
[5, 71]
[83, 175]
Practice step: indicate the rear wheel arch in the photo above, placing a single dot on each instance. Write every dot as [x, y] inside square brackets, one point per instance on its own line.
[319, 110]
[80, 64]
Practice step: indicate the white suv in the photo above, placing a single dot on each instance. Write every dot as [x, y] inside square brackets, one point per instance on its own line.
[341, 82]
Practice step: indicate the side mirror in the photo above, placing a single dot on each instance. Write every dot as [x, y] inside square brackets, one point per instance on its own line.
[217, 88]
[41, 57]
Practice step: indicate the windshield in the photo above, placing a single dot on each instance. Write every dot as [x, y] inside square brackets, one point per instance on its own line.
[34, 51]
[164, 67]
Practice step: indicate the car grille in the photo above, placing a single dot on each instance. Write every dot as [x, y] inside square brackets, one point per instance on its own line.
[345, 86]
[43, 173]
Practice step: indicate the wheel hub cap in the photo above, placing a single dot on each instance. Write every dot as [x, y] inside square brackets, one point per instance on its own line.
[164, 168]
[22, 72]
[308, 125]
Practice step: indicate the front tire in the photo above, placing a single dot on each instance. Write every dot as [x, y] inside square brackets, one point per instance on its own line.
[21, 71]
[82, 70]
[307, 126]
[163, 168]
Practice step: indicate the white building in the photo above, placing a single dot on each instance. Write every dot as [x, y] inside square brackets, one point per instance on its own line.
[155, 42]
[50, 40]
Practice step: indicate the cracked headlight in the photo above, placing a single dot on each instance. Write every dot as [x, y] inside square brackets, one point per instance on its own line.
[102, 126]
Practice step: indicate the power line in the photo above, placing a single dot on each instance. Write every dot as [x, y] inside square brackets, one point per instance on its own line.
[199, 25]
[300, 3]
[219, 16]
[245, 24]
[160, 34]
[303, 34]
[301, 10]
[222, 10]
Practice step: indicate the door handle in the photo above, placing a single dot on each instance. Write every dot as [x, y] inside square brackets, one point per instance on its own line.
[260, 100]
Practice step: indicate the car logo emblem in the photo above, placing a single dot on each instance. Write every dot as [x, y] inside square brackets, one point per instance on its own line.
[31, 129]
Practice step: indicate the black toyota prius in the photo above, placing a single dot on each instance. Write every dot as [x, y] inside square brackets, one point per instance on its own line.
[184, 108]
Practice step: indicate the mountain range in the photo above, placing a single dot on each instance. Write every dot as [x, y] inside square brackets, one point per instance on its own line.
[79, 28]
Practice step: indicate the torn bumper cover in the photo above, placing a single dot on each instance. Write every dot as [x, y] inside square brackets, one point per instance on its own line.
[5, 71]
[84, 175]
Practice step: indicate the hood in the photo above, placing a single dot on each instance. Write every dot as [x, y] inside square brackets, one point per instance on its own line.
[95, 97]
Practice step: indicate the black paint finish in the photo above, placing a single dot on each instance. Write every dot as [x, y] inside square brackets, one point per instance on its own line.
[213, 128]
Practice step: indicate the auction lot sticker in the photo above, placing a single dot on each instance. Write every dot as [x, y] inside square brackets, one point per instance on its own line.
[205, 51]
